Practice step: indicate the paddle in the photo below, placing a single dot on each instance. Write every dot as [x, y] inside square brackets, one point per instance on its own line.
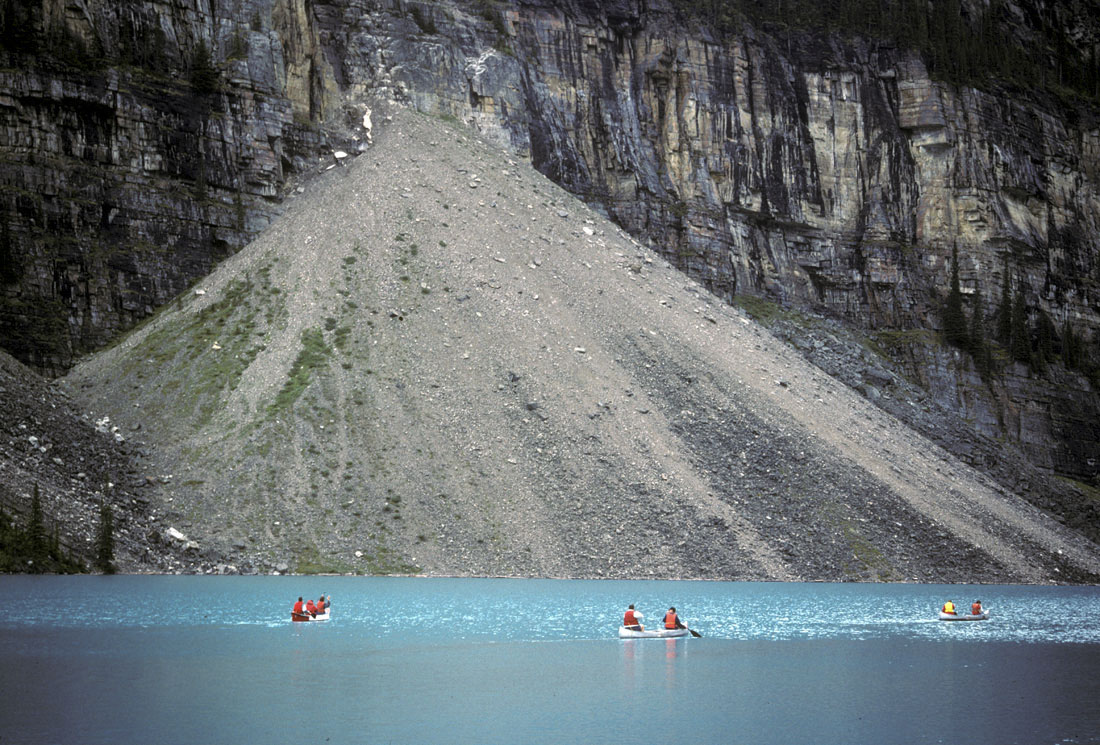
[694, 633]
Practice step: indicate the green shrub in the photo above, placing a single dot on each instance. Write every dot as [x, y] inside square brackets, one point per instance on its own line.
[313, 355]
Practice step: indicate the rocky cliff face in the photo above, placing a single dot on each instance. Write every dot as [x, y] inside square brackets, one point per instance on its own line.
[438, 361]
[126, 175]
[822, 172]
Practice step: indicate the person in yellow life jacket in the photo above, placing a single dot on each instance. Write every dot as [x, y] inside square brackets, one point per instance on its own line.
[949, 608]
[672, 621]
[632, 619]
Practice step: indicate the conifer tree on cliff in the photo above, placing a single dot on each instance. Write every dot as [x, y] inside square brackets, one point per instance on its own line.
[979, 347]
[204, 75]
[1044, 339]
[954, 320]
[36, 533]
[105, 541]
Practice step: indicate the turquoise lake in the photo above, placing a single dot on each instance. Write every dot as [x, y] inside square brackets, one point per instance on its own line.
[136, 659]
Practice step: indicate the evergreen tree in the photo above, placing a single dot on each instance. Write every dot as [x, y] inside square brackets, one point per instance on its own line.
[105, 541]
[961, 42]
[16, 541]
[18, 21]
[920, 24]
[955, 31]
[238, 46]
[36, 532]
[979, 347]
[937, 42]
[204, 76]
[1044, 338]
[10, 544]
[954, 320]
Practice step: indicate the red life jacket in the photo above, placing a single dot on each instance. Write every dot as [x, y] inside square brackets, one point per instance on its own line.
[310, 607]
[629, 619]
[976, 609]
[298, 607]
[671, 620]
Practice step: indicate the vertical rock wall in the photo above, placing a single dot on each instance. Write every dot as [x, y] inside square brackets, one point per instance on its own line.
[815, 170]
[821, 172]
[122, 183]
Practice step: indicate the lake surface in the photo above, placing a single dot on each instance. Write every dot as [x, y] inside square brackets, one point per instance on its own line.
[216, 660]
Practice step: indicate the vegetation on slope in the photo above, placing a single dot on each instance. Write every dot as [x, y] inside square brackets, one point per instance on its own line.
[1032, 45]
[28, 546]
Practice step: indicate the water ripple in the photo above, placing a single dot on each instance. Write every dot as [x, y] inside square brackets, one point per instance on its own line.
[548, 610]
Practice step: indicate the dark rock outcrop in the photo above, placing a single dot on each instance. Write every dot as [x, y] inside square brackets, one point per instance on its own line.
[77, 464]
[126, 175]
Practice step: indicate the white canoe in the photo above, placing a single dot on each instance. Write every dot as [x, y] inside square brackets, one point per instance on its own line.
[625, 633]
[984, 615]
[301, 617]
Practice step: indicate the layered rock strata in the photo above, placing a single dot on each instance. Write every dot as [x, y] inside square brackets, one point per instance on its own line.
[124, 180]
[812, 169]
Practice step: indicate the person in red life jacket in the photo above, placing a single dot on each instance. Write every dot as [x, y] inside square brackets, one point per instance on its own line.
[672, 621]
[632, 619]
[949, 609]
[976, 608]
[297, 608]
[311, 609]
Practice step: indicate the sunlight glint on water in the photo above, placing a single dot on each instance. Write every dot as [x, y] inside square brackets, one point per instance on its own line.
[180, 659]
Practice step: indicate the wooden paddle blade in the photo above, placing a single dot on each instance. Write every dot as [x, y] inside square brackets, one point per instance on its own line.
[695, 633]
